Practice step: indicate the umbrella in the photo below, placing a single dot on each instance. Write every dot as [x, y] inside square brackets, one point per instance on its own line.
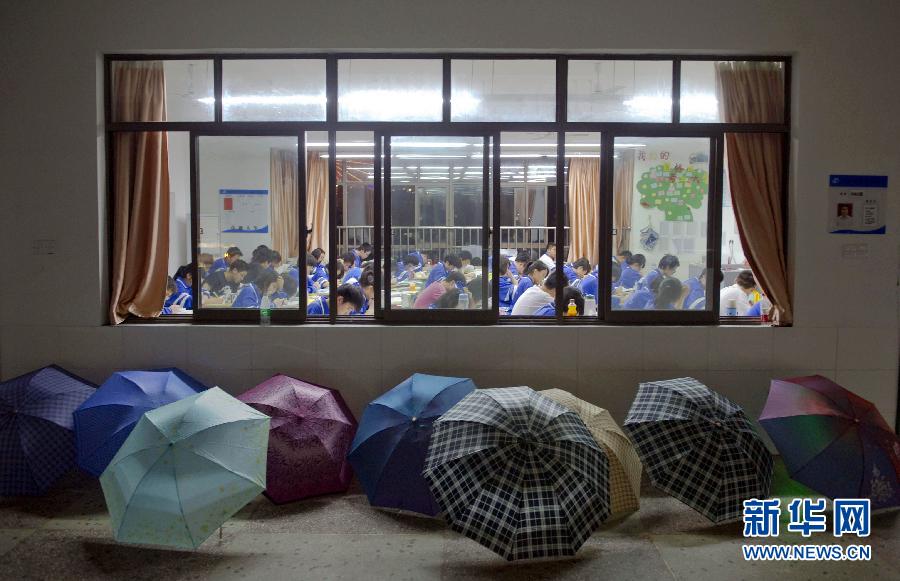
[185, 469]
[37, 443]
[624, 462]
[310, 434]
[832, 440]
[518, 473]
[699, 447]
[388, 453]
[104, 421]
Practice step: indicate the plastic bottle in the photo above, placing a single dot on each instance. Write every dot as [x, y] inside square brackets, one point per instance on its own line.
[764, 305]
[572, 309]
[463, 301]
[265, 312]
[590, 306]
[731, 308]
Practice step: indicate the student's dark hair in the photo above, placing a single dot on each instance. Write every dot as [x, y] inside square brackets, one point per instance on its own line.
[205, 258]
[523, 256]
[265, 279]
[669, 261]
[275, 256]
[668, 291]
[448, 300]
[261, 254]
[340, 269]
[311, 261]
[625, 253]
[263, 247]
[476, 261]
[504, 264]
[317, 253]
[453, 260]
[616, 271]
[636, 259]
[582, 263]
[745, 279]
[550, 245]
[476, 287]
[290, 286]
[239, 265]
[411, 259]
[555, 280]
[183, 271]
[465, 255]
[455, 277]
[170, 284]
[348, 257]
[352, 294]
[536, 265]
[573, 294]
[367, 278]
[702, 275]
[364, 247]
[233, 251]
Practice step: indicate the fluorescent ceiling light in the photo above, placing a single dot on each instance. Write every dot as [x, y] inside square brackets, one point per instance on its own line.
[650, 106]
[392, 105]
[423, 156]
[341, 144]
[267, 100]
[428, 144]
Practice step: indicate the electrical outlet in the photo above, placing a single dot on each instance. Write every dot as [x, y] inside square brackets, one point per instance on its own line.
[43, 247]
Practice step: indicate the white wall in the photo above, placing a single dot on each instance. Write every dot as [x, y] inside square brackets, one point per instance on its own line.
[179, 199]
[845, 120]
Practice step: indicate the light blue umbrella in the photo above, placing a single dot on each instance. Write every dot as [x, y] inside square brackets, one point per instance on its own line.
[185, 469]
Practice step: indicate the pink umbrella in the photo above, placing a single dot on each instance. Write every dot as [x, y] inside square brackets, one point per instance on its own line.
[309, 437]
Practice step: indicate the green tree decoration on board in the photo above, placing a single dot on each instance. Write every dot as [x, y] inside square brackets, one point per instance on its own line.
[674, 189]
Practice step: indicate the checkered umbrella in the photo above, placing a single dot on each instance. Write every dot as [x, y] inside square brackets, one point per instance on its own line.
[624, 462]
[518, 473]
[699, 447]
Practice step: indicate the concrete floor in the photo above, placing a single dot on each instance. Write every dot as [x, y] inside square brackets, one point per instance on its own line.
[66, 535]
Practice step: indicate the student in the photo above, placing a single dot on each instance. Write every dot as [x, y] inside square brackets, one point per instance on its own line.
[175, 301]
[435, 290]
[696, 292]
[536, 296]
[465, 258]
[631, 274]
[643, 297]
[257, 293]
[507, 288]
[448, 300]
[320, 274]
[260, 261]
[351, 271]
[205, 262]
[367, 284]
[622, 256]
[231, 277]
[349, 298]
[534, 275]
[287, 289]
[361, 254]
[518, 266]
[475, 290]
[409, 266]
[738, 294]
[232, 254]
[277, 263]
[580, 269]
[569, 294]
[669, 294]
[549, 256]
[668, 264]
[450, 263]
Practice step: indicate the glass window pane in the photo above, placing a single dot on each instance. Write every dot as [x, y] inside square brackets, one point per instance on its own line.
[246, 195]
[390, 90]
[660, 201]
[318, 278]
[503, 90]
[527, 222]
[582, 200]
[356, 215]
[702, 92]
[171, 90]
[439, 263]
[273, 90]
[620, 90]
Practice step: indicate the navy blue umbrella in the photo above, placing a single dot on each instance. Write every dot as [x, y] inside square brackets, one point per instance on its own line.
[388, 452]
[37, 443]
[103, 422]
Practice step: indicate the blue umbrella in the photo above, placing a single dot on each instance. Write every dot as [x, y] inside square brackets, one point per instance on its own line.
[37, 445]
[103, 422]
[388, 452]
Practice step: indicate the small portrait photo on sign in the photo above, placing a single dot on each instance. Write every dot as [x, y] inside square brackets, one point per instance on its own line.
[844, 217]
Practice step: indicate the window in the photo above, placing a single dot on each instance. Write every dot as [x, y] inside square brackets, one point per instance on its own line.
[432, 188]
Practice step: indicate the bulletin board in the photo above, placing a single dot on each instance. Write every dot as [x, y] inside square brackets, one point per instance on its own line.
[244, 211]
[856, 204]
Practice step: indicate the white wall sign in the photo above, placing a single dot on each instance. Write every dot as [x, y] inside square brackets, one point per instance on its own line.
[244, 211]
[856, 204]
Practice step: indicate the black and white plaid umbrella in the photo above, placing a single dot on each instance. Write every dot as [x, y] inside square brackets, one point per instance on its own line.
[698, 446]
[519, 473]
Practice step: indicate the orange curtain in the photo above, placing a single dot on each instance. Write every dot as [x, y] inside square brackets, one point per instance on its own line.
[584, 209]
[753, 92]
[316, 202]
[285, 202]
[623, 186]
[140, 194]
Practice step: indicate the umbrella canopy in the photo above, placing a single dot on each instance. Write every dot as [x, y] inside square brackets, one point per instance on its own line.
[185, 469]
[624, 462]
[388, 453]
[37, 442]
[103, 422]
[698, 447]
[518, 473]
[310, 434]
[832, 440]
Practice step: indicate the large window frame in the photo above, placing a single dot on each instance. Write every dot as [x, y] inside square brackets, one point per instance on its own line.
[715, 132]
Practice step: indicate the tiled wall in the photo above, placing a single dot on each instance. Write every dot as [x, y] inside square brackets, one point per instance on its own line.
[603, 365]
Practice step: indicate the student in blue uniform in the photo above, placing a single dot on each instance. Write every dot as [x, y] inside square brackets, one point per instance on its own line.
[669, 294]
[232, 254]
[631, 274]
[361, 254]
[535, 273]
[507, 288]
[580, 269]
[367, 284]
[260, 261]
[184, 280]
[622, 256]
[351, 271]
[569, 294]
[451, 263]
[696, 291]
[252, 295]
[668, 264]
[642, 297]
[519, 264]
[175, 301]
[409, 266]
[349, 298]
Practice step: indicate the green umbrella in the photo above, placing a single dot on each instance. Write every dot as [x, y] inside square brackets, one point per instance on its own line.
[185, 469]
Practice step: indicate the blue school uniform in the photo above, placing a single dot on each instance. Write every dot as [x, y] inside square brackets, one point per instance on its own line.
[507, 290]
[755, 310]
[648, 279]
[653, 306]
[218, 264]
[589, 286]
[357, 261]
[697, 291]
[639, 299]
[318, 306]
[403, 275]
[248, 297]
[629, 278]
[354, 273]
[525, 283]
[548, 310]
[513, 270]
[570, 272]
[437, 273]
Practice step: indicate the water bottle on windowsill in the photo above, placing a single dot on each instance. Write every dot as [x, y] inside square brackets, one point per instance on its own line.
[265, 312]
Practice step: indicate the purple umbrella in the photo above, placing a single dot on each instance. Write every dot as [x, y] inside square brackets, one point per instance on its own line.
[832, 440]
[309, 437]
[37, 441]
